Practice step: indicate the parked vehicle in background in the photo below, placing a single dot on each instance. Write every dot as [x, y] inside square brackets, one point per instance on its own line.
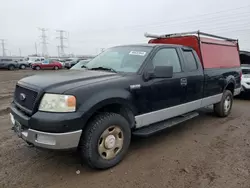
[8, 64]
[58, 60]
[47, 64]
[129, 89]
[32, 60]
[80, 65]
[245, 82]
[70, 64]
[22, 64]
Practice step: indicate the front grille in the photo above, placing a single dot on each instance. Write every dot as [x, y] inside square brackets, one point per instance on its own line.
[25, 97]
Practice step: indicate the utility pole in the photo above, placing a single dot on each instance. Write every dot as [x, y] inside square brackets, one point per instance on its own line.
[3, 47]
[62, 38]
[36, 48]
[58, 50]
[20, 53]
[44, 41]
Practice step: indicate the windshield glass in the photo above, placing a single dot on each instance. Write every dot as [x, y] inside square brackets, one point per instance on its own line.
[80, 64]
[121, 59]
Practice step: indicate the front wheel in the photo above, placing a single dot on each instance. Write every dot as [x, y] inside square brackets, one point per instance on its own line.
[37, 68]
[56, 67]
[105, 141]
[223, 108]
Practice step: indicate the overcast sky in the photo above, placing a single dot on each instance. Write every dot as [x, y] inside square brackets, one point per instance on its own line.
[95, 24]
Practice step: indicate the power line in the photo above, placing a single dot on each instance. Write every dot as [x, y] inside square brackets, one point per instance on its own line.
[186, 20]
[44, 41]
[62, 38]
[3, 46]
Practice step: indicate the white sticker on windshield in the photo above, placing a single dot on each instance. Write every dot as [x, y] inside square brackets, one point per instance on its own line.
[137, 53]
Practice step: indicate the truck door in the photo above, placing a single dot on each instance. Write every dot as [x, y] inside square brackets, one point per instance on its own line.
[167, 92]
[194, 75]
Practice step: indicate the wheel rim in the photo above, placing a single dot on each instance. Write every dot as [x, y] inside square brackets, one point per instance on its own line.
[37, 68]
[110, 142]
[227, 104]
[56, 68]
[22, 67]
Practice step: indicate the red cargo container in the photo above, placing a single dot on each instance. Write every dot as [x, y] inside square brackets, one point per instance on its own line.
[213, 51]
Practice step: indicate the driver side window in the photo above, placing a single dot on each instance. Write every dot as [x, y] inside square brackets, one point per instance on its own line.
[167, 57]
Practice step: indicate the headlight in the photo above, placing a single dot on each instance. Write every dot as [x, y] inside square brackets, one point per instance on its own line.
[57, 103]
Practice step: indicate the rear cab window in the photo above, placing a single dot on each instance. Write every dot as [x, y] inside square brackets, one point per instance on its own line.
[190, 61]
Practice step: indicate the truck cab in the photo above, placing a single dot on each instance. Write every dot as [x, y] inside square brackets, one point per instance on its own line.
[127, 90]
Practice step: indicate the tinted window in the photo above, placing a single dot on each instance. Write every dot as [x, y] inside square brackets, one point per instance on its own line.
[167, 57]
[190, 61]
[6, 59]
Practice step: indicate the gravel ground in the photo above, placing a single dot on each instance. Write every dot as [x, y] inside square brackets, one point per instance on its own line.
[205, 152]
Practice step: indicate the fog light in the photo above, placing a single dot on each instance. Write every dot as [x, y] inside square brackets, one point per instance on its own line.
[45, 139]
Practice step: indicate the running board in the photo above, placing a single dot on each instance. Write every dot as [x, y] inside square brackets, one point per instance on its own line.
[157, 127]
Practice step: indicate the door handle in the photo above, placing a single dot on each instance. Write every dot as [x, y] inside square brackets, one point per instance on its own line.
[183, 81]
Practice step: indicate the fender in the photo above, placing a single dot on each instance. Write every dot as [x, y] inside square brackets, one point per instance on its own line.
[103, 98]
[230, 79]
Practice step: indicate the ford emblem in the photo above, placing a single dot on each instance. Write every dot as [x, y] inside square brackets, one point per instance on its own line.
[22, 96]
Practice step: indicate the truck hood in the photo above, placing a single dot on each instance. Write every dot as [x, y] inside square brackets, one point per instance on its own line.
[62, 81]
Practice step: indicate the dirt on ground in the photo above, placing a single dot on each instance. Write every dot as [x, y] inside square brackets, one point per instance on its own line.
[205, 152]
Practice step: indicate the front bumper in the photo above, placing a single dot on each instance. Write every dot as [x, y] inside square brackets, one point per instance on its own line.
[47, 130]
[55, 141]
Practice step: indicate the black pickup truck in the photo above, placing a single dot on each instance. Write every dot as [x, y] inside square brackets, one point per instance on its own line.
[126, 90]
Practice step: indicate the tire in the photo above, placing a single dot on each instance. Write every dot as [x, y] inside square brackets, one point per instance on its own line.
[22, 66]
[222, 109]
[56, 67]
[92, 139]
[37, 68]
[11, 67]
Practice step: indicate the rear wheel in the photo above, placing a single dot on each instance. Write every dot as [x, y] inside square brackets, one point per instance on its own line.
[223, 108]
[11, 67]
[105, 141]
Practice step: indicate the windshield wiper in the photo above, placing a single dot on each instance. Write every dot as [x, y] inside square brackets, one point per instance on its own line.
[103, 68]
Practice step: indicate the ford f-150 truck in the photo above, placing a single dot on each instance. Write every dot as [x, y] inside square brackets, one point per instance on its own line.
[127, 90]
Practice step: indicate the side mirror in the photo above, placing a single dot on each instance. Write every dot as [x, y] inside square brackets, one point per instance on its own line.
[159, 72]
[163, 72]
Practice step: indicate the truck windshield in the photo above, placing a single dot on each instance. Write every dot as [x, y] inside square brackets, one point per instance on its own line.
[121, 59]
[80, 65]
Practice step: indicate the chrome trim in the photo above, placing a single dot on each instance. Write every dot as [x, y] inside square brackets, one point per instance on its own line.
[61, 140]
[167, 113]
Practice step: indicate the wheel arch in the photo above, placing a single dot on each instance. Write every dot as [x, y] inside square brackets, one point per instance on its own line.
[117, 105]
[230, 84]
